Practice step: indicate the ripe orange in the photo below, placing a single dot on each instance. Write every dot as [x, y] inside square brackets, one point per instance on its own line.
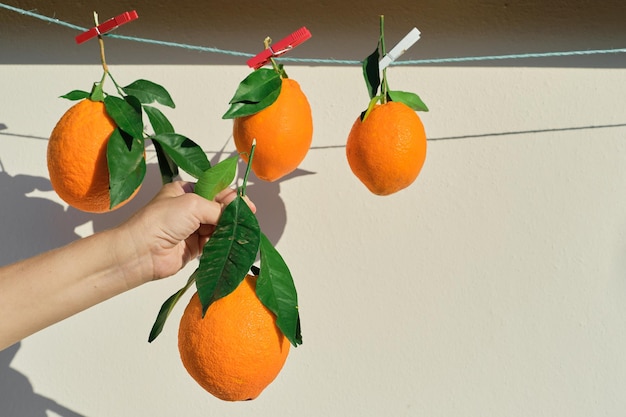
[77, 162]
[387, 150]
[283, 133]
[236, 350]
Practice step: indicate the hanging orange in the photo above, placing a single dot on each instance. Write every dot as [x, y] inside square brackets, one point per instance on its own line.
[387, 150]
[283, 133]
[77, 162]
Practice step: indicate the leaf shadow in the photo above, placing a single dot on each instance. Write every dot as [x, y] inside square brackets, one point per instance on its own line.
[271, 210]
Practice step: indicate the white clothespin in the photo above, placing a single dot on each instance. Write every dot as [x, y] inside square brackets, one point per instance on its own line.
[402, 46]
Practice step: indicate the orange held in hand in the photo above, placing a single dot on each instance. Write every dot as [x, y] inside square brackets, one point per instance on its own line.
[236, 350]
[283, 133]
[387, 150]
[77, 162]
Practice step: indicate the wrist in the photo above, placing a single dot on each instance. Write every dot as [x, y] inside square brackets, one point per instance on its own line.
[132, 256]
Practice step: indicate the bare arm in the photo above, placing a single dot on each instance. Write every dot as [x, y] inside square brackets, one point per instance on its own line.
[155, 243]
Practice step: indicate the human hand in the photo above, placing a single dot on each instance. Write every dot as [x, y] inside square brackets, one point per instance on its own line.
[173, 228]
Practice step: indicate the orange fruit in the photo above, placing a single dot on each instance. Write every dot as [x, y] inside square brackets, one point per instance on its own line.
[236, 350]
[283, 133]
[77, 162]
[387, 150]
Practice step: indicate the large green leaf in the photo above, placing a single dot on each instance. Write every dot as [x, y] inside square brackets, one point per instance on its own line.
[167, 308]
[257, 91]
[127, 165]
[410, 99]
[187, 154]
[277, 291]
[371, 73]
[216, 178]
[76, 95]
[125, 114]
[148, 92]
[229, 254]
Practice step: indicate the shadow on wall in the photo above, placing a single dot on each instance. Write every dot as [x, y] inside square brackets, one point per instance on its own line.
[17, 397]
[31, 225]
[271, 210]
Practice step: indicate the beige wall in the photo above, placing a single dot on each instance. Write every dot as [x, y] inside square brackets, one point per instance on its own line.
[494, 285]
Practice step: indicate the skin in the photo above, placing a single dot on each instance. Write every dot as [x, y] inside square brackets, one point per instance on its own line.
[155, 243]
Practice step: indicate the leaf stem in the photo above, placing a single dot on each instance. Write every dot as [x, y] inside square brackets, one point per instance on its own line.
[119, 89]
[383, 51]
[242, 190]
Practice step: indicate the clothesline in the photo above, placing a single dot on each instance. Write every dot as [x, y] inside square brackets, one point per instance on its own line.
[321, 60]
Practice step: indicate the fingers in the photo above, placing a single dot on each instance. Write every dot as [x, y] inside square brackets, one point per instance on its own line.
[175, 189]
[179, 188]
[187, 187]
[207, 212]
[227, 195]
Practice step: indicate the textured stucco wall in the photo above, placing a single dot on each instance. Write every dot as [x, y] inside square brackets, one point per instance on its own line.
[494, 285]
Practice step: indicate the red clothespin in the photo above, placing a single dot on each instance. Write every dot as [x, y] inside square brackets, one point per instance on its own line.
[279, 48]
[107, 26]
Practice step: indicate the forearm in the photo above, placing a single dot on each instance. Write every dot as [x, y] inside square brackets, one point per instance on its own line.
[43, 290]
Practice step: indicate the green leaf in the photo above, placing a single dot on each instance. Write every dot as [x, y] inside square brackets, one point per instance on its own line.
[127, 165]
[158, 121]
[371, 73]
[125, 115]
[160, 124]
[277, 292]
[410, 99]
[148, 92]
[217, 178]
[246, 109]
[135, 104]
[229, 254]
[187, 154]
[257, 91]
[256, 86]
[167, 308]
[76, 95]
[167, 166]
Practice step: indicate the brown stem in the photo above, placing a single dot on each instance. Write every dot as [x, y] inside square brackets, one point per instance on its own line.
[101, 43]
